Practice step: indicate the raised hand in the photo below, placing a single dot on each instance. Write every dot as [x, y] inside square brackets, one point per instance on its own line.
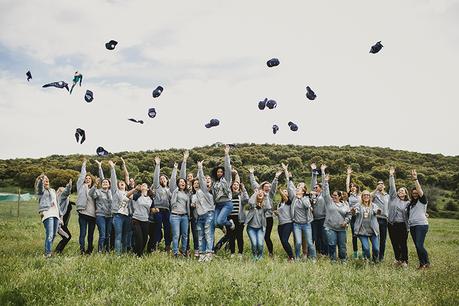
[200, 163]
[349, 170]
[278, 173]
[186, 154]
[98, 163]
[175, 165]
[313, 166]
[157, 160]
[391, 170]
[414, 174]
[111, 163]
[323, 167]
[251, 170]
[284, 166]
[227, 149]
[70, 181]
[122, 160]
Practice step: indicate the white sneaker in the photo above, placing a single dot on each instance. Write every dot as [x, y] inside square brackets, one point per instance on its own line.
[404, 265]
[201, 257]
[232, 256]
[233, 226]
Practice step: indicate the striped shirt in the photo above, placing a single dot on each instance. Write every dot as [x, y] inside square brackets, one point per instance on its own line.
[236, 202]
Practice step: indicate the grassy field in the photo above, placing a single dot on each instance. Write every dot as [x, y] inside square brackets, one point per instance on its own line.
[28, 278]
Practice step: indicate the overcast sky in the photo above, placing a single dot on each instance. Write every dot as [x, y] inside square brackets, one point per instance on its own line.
[210, 57]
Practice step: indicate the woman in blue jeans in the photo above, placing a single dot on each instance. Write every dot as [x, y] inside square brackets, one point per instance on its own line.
[221, 191]
[366, 226]
[180, 209]
[353, 192]
[256, 222]
[417, 220]
[203, 202]
[285, 227]
[302, 216]
[48, 208]
[338, 216]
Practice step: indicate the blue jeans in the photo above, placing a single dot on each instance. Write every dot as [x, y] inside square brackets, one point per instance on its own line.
[257, 237]
[298, 230]
[319, 236]
[162, 221]
[335, 238]
[104, 225]
[51, 224]
[206, 232]
[86, 223]
[121, 225]
[418, 233]
[222, 211]
[179, 227]
[366, 246]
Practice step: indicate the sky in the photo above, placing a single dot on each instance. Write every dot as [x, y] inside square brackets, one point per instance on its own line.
[210, 57]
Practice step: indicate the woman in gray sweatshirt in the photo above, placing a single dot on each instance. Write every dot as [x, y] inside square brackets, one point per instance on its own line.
[398, 223]
[318, 210]
[337, 219]
[86, 209]
[180, 209]
[366, 225]
[256, 222]
[203, 203]
[285, 227]
[353, 192]
[270, 190]
[417, 220]
[103, 199]
[302, 216]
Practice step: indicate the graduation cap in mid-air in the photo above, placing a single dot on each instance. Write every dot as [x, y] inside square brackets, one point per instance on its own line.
[152, 112]
[376, 47]
[136, 121]
[111, 44]
[60, 84]
[310, 94]
[101, 151]
[273, 62]
[88, 96]
[271, 104]
[212, 123]
[293, 126]
[80, 132]
[28, 75]
[262, 104]
[157, 92]
[275, 128]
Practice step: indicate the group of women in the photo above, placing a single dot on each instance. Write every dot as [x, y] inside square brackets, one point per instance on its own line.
[139, 216]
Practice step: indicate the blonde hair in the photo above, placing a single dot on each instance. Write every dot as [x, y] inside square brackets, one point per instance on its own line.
[361, 197]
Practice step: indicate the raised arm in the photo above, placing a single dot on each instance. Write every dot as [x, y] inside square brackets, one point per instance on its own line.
[183, 167]
[82, 176]
[348, 179]
[414, 175]
[392, 188]
[272, 192]
[126, 173]
[173, 181]
[92, 192]
[39, 185]
[113, 178]
[203, 183]
[156, 173]
[325, 186]
[101, 173]
[253, 181]
[244, 195]
[313, 176]
[67, 190]
[228, 176]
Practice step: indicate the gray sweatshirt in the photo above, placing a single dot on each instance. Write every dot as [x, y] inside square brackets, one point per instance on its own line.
[354, 199]
[285, 213]
[84, 203]
[301, 207]
[180, 200]
[203, 198]
[162, 194]
[363, 215]
[270, 194]
[381, 200]
[102, 198]
[63, 199]
[337, 213]
[141, 205]
[221, 189]
[46, 197]
[319, 206]
[397, 207]
[417, 212]
[120, 201]
[256, 217]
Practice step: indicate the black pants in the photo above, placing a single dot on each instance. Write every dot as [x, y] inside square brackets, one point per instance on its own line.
[151, 245]
[354, 236]
[61, 245]
[284, 231]
[382, 237]
[269, 228]
[236, 235]
[194, 233]
[140, 235]
[398, 236]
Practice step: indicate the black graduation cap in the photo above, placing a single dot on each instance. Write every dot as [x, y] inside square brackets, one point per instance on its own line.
[271, 104]
[293, 126]
[29, 75]
[262, 104]
[152, 112]
[157, 92]
[273, 62]
[212, 123]
[311, 95]
[275, 129]
[80, 132]
[101, 151]
[376, 47]
[111, 44]
[88, 96]
[60, 84]
[136, 121]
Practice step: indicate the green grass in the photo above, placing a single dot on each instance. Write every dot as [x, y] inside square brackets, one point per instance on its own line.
[27, 278]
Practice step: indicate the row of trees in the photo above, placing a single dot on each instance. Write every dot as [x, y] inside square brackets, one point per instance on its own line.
[368, 163]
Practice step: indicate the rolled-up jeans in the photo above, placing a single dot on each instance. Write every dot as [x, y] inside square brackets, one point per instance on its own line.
[51, 224]
[206, 231]
[222, 211]
[305, 228]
